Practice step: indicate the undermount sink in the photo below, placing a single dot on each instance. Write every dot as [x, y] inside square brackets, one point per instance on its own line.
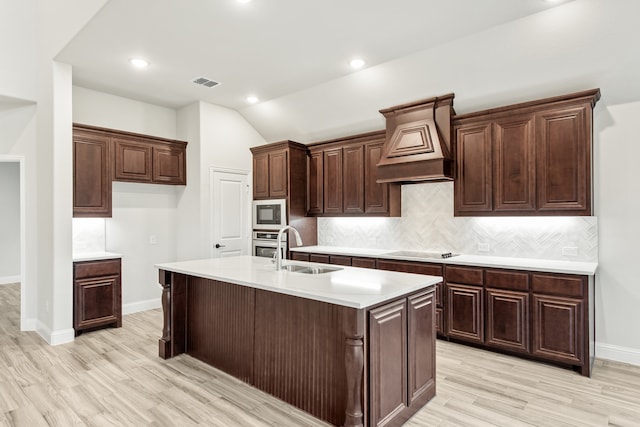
[309, 269]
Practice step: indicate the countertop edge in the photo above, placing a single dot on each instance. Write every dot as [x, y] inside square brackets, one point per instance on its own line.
[426, 282]
[95, 256]
[529, 264]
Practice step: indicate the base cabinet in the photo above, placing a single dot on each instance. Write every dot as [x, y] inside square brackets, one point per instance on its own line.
[465, 312]
[97, 295]
[507, 324]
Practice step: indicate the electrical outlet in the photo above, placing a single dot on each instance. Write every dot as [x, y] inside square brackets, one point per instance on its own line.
[153, 239]
[483, 247]
[570, 251]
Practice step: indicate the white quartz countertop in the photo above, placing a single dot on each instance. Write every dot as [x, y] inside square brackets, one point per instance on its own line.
[94, 256]
[546, 265]
[351, 287]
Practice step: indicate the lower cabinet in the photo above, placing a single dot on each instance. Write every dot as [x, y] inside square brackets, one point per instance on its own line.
[402, 357]
[97, 299]
[465, 303]
[544, 316]
[507, 320]
[465, 312]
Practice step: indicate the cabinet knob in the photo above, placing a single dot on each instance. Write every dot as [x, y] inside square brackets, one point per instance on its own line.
[218, 246]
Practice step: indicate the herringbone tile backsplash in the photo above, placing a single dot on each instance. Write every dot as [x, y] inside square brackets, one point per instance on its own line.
[427, 223]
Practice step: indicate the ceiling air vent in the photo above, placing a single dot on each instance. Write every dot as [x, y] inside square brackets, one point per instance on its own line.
[205, 82]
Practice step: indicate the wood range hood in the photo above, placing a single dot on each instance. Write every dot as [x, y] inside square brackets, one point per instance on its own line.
[418, 142]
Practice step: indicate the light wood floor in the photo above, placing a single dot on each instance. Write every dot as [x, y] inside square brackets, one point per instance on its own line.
[113, 377]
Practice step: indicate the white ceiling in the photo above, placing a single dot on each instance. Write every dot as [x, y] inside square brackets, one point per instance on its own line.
[270, 48]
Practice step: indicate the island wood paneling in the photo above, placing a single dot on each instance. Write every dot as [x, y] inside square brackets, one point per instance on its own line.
[220, 322]
[300, 353]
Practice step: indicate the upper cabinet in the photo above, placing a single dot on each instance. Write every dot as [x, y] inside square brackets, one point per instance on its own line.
[526, 159]
[101, 156]
[276, 167]
[91, 174]
[342, 178]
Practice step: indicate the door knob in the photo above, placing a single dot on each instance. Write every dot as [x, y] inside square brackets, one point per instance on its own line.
[218, 246]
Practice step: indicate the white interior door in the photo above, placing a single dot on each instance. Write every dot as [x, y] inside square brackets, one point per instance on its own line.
[230, 201]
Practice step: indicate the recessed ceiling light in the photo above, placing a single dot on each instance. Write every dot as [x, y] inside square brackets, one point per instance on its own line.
[252, 99]
[356, 63]
[139, 62]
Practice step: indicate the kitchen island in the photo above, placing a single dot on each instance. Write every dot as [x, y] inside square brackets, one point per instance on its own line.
[353, 347]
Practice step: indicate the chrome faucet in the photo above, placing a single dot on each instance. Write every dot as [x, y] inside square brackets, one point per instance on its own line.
[279, 255]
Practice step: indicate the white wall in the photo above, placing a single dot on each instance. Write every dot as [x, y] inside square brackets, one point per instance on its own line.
[139, 211]
[18, 59]
[618, 196]
[9, 222]
[224, 141]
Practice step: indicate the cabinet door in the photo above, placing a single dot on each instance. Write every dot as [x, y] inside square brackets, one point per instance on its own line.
[376, 196]
[169, 165]
[508, 320]
[421, 345]
[132, 161]
[333, 181]
[278, 174]
[563, 141]
[440, 329]
[315, 193]
[353, 180]
[97, 302]
[261, 176]
[91, 175]
[388, 361]
[514, 186]
[473, 183]
[558, 326]
[465, 317]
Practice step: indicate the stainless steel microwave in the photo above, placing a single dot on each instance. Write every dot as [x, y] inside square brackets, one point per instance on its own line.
[269, 214]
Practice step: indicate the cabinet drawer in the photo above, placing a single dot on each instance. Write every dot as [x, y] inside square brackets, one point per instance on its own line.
[466, 275]
[299, 256]
[96, 268]
[340, 260]
[363, 262]
[410, 267]
[517, 281]
[559, 284]
[323, 259]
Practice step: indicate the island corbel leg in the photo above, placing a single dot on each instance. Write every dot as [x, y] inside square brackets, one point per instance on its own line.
[354, 364]
[164, 343]
[174, 309]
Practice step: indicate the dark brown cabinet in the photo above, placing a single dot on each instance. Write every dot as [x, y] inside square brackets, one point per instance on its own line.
[401, 357]
[97, 299]
[473, 186]
[342, 178]
[101, 156]
[526, 159]
[132, 161]
[280, 172]
[149, 160]
[169, 165]
[544, 316]
[507, 310]
[270, 174]
[91, 174]
[315, 183]
[560, 331]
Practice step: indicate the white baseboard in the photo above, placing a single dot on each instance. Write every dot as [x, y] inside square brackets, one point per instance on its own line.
[5, 280]
[56, 337]
[135, 307]
[617, 353]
